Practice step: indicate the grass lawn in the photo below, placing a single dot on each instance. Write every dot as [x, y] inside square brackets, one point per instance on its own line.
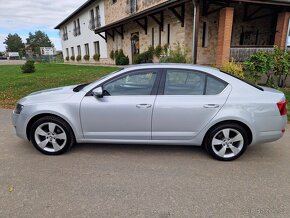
[14, 84]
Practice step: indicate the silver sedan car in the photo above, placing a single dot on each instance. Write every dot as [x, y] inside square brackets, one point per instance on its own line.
[174, 104]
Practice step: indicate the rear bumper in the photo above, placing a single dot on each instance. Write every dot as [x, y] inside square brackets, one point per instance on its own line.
[269, 136]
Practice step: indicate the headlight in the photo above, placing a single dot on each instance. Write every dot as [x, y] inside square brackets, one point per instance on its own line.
[18, 108]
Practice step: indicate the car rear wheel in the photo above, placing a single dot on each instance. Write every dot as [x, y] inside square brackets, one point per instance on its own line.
[51, 135]
[227, 142]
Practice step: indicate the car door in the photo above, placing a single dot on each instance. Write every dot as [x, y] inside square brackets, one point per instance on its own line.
[125, 110]
[188, 101]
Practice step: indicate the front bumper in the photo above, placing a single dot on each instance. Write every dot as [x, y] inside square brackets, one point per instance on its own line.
[19, 124]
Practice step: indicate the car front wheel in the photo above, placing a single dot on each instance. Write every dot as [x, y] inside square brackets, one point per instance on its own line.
[51, 135]
[226, 142]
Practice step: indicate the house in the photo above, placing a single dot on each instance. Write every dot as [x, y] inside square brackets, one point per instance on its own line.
[210, 31]
[78, 39]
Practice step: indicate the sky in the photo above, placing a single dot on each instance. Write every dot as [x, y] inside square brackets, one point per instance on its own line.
[24, 16]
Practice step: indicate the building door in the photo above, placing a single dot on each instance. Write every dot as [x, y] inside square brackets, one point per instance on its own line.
[135, 45]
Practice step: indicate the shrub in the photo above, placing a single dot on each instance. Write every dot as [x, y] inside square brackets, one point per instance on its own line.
[79, 58]
[96, 57]
[233, 68]
[257, 65]
[28, 67]
[67, 58]
[158, 51]
[86, 57]
[121, 58]
[177, 55]
[112, 55]
[145, 57]
[72, 58]
[281, 65]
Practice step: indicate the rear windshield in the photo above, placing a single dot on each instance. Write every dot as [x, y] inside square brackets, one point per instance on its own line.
[245, 81]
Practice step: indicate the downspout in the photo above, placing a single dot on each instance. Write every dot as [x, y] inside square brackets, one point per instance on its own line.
[195, 30]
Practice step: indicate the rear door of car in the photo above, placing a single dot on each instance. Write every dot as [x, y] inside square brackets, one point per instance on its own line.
[186, 102]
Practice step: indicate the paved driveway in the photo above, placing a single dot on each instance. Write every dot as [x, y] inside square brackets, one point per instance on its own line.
[141, 181]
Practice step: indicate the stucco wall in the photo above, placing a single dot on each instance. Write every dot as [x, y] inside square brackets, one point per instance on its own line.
[87, 36]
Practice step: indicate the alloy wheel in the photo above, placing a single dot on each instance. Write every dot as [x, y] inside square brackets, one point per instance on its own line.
[50, 137]
[227, 143]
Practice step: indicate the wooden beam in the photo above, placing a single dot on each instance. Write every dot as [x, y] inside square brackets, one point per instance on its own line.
[121, 32]
[160, 21]
[111, 34]
[180, 16]
[144, 25]
[104, 37]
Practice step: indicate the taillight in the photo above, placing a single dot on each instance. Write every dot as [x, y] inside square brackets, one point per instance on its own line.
[282, 107]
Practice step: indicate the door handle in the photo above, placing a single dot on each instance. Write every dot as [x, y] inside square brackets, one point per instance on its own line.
[211, 106]
[143, 105]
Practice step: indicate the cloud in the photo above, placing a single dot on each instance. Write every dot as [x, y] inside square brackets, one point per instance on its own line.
[22, 17]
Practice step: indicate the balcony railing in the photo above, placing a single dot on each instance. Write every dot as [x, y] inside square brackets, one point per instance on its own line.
[95, 23]
[77, 31]
[242, 53]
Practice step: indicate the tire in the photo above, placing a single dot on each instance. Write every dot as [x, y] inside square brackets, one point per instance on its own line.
[51, 135]
[226, 142]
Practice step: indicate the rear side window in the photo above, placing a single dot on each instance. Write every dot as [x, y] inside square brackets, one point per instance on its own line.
[184, 82]
[190, 82]
[214, 86]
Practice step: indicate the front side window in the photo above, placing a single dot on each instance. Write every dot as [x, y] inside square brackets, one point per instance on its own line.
[190, 82]
[137, 83]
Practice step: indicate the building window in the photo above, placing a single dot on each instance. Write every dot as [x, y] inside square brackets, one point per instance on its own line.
[205, 35]
[77, 28]
[72, 51]
[92, 20]
[97, 47]
[64, 36]
[133, 6]
[168, 34]
[87, 49]
[159, 43]
[152, 35]
[98, 17]
[79, 50]
[67, 52]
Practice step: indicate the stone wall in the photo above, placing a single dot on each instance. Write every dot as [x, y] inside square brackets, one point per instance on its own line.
[120, 9]
[178, 34]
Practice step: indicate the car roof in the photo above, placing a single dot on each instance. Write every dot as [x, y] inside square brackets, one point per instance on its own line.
[170, 65]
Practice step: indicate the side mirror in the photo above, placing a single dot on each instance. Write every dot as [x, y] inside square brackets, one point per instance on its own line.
[98, 92]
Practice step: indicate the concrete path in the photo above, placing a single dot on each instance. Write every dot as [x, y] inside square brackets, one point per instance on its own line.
[141, 181]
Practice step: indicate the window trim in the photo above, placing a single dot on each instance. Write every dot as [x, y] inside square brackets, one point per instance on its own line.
[163, 80]
[155, 87]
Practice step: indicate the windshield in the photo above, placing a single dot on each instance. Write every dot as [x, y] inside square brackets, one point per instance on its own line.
[80, 87]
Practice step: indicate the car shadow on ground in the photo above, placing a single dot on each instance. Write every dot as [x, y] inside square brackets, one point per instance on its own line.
[137, 149]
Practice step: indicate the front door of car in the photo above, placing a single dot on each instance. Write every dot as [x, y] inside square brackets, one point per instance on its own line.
[186, 104]
[125, 110]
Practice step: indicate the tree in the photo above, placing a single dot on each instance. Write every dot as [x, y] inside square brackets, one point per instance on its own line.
[14, 43]
[37, 40]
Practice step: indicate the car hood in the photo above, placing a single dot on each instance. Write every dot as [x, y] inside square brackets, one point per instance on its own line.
[49, 95]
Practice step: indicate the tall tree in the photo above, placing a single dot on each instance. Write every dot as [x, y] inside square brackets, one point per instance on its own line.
[14, 43]
[37, 40]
